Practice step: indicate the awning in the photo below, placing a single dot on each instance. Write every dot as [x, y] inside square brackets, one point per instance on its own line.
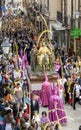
[58, 26]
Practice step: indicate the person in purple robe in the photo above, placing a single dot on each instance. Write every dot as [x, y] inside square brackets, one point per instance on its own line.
[21, 53]
[23, 56]
[24, 61]
[56, 108]
[46, 92]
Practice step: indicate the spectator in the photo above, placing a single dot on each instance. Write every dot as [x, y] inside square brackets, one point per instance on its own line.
[8, 96]
[31, 128]
[23, 125]
[44, 118]
[48, 128]
[18, 93]
[34, 106]
[8, 120]
[2, 120]
[36, 119]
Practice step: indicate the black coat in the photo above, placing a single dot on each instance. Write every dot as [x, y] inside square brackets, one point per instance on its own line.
[34, 107]
[74, 98]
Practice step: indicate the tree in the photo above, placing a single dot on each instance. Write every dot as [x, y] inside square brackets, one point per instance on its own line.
[75, 33]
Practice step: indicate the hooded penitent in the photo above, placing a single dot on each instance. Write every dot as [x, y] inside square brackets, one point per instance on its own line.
[46, 91]
[56, 108]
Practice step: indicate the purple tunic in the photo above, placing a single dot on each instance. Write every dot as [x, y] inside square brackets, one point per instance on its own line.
[24, 61]
[46, 92]
[56, 102]
[44, 120]
[21, 52]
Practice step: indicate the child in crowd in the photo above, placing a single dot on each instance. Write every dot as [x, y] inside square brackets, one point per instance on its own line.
[36, 119]
[44, 118]
[48, 128]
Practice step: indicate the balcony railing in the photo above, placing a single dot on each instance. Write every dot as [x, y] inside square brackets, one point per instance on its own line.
[44, 10]
[59, 16]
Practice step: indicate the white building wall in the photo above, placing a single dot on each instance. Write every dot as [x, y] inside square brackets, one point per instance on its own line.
[54, 6]
[69, 8]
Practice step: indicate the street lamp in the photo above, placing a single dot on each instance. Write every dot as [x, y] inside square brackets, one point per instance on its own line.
[77, 15]
[5, 46]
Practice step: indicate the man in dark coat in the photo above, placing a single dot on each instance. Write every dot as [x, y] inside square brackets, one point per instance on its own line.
[74, 97]
[34, 105]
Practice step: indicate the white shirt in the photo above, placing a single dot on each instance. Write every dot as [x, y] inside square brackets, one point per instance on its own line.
[77, 90]
[36, 118]
[16, 74]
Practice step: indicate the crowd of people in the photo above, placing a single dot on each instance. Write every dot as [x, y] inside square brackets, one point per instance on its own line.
[14, 87]
[15, 92]
[65, 90]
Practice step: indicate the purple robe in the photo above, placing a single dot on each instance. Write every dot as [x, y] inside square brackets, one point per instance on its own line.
[56, 102]
[24, 61]
[46, 92]
[21, 52]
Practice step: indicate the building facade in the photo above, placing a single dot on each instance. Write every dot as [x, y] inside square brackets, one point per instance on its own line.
[0, 8]
[56, 21]
[65, 15]
[74, 13]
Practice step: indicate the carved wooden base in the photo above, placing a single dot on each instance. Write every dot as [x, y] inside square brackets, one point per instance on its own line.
[38, 77]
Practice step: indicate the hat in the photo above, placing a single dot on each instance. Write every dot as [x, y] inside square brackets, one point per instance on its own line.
[45, 75]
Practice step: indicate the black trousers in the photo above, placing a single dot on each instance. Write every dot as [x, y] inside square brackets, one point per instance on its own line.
[67, 97]
[60, 72]
[74, 104]
[77, 99]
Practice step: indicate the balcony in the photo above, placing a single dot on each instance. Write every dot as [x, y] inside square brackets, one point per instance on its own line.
[44, 10]
[59, 17]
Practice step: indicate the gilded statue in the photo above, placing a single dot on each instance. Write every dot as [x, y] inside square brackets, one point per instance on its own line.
[43, 55]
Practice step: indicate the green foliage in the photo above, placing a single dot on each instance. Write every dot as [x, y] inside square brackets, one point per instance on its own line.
[76, 33]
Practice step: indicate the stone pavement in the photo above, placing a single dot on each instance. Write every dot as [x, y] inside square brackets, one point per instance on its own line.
[74, 114]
